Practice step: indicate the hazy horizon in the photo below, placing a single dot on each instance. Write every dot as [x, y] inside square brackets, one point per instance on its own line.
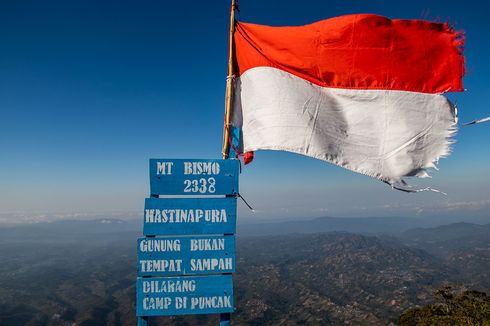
[29, 218]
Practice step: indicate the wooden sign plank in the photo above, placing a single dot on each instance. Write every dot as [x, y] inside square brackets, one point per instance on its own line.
[171, 216]
[166, 296]
[193, 177]
[170, 256]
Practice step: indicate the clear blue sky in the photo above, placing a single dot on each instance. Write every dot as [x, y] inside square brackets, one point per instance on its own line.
[90, 90]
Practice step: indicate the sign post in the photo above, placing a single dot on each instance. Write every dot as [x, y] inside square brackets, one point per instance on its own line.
[187, 254]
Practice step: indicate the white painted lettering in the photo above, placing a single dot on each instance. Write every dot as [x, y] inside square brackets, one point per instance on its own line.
[161, 265]
[186, 216]
[211, 302]
[207, 244]
[164, 168]
[159, 245]
[211, 264]
[201, 168]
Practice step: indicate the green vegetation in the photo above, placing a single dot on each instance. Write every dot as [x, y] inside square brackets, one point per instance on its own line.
[464, 308]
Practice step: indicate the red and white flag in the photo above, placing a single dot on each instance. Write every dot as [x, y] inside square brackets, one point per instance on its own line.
[360, 91]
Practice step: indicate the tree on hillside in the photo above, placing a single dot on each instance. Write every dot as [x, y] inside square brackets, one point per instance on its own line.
[467, 307]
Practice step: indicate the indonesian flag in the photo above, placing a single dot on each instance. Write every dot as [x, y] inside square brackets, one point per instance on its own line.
[360, 91]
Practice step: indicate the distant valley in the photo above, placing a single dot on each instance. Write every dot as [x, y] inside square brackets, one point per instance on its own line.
[355, 273]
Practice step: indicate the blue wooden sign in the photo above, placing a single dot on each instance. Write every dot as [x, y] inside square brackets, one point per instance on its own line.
[165, 256]
[193, 177]
[172, 216]
[166, 296]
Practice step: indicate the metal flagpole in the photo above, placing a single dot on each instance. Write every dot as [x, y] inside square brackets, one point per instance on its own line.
[229, 82]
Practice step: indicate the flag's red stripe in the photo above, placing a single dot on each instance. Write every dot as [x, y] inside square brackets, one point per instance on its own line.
[359, 51]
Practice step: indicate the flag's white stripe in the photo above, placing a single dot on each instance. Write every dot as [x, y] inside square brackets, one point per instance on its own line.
[382, 133]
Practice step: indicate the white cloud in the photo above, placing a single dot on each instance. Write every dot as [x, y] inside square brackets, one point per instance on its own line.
[25, 217]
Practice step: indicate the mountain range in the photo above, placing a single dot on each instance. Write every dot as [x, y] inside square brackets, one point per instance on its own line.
[83, 272]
